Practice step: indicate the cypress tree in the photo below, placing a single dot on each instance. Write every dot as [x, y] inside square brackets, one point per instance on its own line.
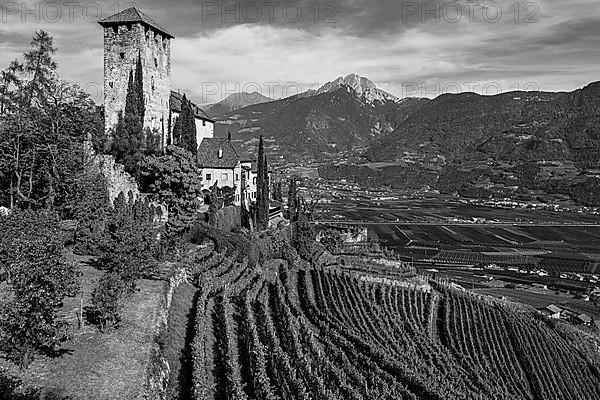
[293, 207]
[177, 131]
[168, 140]
[262, 188]
[139, 89]
[267, 183]
[132, 98]
[188, 126]
[128, 142]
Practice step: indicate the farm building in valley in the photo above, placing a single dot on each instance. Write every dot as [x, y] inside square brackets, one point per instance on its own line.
[552, 311]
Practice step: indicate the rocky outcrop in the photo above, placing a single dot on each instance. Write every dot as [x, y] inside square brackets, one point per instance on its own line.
[364, 88]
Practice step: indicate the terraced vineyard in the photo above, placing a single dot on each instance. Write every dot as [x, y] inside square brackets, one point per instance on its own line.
[282, 332]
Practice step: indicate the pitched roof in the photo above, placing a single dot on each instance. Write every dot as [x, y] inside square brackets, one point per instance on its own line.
[584, 318]
[554, 308]
[175, 102]
[132, 14]
[209, 149]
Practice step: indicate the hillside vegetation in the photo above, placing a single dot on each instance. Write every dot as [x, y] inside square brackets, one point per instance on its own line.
[526, 126]
[330, 121]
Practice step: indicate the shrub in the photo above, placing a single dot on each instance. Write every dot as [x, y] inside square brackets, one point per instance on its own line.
[228, 218]
[39, 277]
[331, 239]
[304, 238]
[108, 299]
[129, 247]
[90, 206]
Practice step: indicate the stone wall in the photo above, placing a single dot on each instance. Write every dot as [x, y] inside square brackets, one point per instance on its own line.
[157, 375]
[117, 179]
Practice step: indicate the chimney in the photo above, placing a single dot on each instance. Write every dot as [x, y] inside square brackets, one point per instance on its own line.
[229, 136]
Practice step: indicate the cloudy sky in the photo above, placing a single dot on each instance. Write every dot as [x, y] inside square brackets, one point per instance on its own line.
[278, 47]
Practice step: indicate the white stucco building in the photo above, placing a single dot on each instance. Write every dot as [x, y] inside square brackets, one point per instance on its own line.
[205, 125]
[222, 162]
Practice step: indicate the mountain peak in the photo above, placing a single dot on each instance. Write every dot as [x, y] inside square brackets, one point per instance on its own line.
[364, 88]
[236, 101]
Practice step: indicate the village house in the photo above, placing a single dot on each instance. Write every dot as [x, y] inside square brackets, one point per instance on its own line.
[222, 162]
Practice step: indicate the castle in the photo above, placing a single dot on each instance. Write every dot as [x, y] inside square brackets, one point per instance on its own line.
[131, 35]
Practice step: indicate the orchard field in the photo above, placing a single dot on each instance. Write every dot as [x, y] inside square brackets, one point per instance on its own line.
[281, 331]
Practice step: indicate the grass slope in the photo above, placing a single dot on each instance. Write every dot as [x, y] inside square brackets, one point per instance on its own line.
[100, 366]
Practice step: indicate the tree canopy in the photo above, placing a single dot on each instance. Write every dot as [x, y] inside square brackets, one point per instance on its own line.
[39, 276]
[44, 124]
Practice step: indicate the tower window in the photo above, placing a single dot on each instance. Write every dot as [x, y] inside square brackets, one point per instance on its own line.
[122, 55]
[155, 62]
[152, 83]
[110, 84]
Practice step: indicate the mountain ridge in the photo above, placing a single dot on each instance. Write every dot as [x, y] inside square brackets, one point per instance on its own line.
[343, 114]
[453, 124]
[236, 101]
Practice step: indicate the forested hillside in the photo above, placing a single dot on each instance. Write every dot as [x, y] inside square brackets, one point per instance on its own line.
[523, 126]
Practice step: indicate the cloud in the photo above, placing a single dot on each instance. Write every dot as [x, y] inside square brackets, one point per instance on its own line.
[551, 43]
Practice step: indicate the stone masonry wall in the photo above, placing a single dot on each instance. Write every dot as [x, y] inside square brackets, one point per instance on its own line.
[117, 179]
[122, 45]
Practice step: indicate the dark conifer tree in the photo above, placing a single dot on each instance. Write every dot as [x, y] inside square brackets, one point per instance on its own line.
[128, 142]
[293, 200]
[188, 126]
[132, 98]
[262, 188]
[139, 89]
[169, 140]
[177, 131]
[244, 213]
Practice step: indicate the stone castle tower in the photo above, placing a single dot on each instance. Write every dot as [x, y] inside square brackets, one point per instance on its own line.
[128, 35]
